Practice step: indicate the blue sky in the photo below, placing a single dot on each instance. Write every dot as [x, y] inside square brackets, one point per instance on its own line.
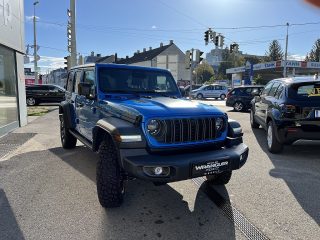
[124, 26]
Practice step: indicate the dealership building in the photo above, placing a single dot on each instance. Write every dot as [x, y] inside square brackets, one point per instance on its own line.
[13, 110]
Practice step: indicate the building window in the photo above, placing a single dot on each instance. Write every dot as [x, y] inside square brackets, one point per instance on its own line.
[8, 91]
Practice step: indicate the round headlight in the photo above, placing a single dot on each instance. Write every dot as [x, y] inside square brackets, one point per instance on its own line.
[153, 127]
[219, 123]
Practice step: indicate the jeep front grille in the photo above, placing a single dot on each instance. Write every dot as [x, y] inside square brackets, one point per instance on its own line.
[187, 130]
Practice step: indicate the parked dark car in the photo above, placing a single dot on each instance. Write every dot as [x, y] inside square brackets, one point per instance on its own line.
[240, 97]
[289, 109]
[44, 94]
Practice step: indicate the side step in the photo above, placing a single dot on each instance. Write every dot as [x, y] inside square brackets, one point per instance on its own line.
[81, 139]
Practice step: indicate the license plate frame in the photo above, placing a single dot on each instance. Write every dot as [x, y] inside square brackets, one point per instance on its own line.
[210, 167]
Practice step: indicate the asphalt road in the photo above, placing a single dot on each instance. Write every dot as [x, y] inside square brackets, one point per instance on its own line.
[47, 192]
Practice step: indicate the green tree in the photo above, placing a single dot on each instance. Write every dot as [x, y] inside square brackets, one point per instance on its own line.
[314, 54]
[274, 52]
[253, 59]
[204, 72]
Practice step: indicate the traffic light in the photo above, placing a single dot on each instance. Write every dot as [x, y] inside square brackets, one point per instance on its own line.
[198, 56]
[206, 37]
[234, 47]
[212, 36]
[216, 41]
[67, 63]
[188, 59]
[221, 41]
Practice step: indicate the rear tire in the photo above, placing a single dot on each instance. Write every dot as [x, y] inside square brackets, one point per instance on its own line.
[68, 141]
[274, 146]
[253, 122]
[31, 101]
[219, 178]
[110, 183]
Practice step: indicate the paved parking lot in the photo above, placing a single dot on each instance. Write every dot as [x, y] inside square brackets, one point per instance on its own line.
[47, 192]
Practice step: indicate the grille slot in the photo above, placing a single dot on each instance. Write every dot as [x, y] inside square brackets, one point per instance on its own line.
[187, 130]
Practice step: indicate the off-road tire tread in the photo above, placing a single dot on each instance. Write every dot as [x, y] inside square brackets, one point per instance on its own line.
[70, 141]
[109, 179]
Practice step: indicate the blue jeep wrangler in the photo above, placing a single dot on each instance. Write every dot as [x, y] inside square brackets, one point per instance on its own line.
[141, 127]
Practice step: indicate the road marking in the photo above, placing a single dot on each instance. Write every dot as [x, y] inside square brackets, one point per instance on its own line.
[236, 217]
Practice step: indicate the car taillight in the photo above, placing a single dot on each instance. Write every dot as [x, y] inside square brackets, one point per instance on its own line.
[228, 94]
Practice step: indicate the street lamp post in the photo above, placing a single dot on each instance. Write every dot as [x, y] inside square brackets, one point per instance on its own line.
[286, 54]
[35, 44]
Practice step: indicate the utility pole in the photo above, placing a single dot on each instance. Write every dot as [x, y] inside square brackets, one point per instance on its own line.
[35, 54]
[73, 43]
[286, 53]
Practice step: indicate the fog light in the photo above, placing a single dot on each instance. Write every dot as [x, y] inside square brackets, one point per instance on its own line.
[158, 170]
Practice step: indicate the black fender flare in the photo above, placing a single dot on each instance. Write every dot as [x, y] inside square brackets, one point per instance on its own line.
[114, 128]
[67, 111]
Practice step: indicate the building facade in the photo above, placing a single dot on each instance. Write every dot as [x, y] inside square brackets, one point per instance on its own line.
[165, 56]
[13, 110]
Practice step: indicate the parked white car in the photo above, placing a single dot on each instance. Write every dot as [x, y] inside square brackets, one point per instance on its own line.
[210, 91]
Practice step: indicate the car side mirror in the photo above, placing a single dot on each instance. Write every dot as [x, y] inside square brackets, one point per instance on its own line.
[255, 94]
[85, 89]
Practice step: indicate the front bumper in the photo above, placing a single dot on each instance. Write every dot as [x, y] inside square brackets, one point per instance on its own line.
[180, 165]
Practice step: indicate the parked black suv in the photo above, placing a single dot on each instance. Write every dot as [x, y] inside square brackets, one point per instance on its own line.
[289, 109]
[240, 97]
[44, 94]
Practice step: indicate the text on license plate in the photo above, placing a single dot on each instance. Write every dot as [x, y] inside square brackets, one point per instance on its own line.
[210, 167]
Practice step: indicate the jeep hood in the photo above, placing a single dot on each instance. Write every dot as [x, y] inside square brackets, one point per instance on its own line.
[164, 107]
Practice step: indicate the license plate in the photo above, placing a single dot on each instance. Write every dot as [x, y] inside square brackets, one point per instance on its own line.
[317, 113]
[210, 167]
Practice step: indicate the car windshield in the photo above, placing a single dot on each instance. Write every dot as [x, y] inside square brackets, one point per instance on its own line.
[305, 91]
[115, 80]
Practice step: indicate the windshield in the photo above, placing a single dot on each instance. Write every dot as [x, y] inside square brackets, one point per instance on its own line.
[136, 81]
[305, 91]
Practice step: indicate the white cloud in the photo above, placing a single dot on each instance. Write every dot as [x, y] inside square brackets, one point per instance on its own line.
[296, 57]
[154, 27]
[47, 63]
[30, 18]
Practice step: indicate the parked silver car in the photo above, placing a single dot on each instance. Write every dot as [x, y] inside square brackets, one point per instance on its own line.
[210, 91]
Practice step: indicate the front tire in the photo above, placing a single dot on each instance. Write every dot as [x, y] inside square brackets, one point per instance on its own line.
[110, 183]
[238, 106]
[200, 96]
[274, 146]
[223, 97]
[219, 178]
[68, 141]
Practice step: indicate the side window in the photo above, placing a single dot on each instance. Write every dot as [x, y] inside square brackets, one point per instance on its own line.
[89, 77]
[274, 89]
[248, 91]
[69, 85]
[233, 92]
[77, 79]
[279, 92]
[267, 88]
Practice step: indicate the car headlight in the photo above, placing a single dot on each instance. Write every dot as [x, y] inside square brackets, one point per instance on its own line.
[154, 127]
[219, 124]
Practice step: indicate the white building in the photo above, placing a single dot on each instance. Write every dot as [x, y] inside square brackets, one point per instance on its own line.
[13, 110]
[166, 56]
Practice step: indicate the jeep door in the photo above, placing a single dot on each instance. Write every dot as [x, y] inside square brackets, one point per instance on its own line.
[87, 106]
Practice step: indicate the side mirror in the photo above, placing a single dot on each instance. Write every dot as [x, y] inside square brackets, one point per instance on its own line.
[86, 89]
[255, 94]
